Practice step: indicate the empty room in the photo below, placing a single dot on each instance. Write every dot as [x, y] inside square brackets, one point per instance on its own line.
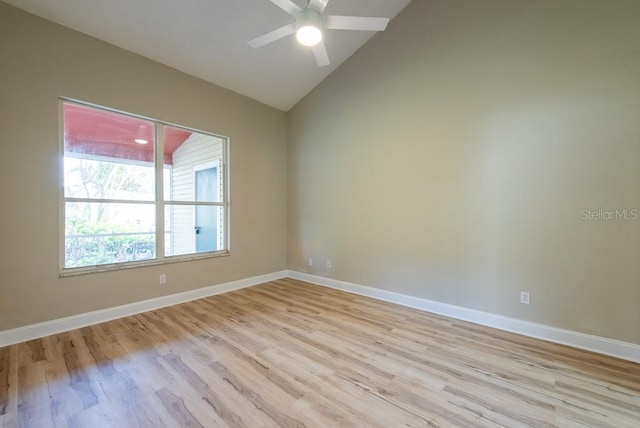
[320, 213]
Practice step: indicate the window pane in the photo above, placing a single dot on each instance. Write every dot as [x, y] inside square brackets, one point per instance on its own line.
[103, 233]
[105, 179]
[107, 155]
[195, 162]
[193, 229]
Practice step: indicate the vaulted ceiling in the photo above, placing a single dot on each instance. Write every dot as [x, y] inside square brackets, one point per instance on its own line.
[208, 39]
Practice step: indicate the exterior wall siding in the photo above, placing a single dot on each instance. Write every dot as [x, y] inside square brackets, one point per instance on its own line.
[197, 150]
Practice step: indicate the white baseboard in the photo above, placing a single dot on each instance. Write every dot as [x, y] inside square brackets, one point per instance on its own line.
[35, 331]
[601, 345]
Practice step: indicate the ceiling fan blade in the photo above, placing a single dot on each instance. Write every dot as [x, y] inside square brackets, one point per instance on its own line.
[288, 6]
[272, 36]
[320, 52]
[318, 5]
[334, 22]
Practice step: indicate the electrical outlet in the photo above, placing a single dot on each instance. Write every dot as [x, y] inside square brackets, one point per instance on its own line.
[310, 261]
[163, 278]
[524, 297]
[328, 264]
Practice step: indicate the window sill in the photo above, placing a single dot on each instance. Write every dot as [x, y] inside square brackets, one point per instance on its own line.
[64, 273]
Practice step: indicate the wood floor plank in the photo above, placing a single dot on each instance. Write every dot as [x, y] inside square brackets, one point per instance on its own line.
[292, 354]
[5, 383]
[8, 387]
[176, 407]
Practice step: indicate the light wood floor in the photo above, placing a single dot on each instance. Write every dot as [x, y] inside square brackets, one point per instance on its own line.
[292, 354]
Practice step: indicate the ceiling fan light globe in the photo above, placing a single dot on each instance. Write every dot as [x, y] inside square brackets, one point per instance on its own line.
[309, 35]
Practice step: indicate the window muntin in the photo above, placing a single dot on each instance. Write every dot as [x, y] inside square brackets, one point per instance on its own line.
[114, 214]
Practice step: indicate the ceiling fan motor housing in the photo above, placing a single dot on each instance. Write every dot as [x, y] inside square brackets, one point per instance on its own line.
[308, 18]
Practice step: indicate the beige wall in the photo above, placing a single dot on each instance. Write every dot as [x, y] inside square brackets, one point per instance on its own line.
[40, 61]
[451, 157]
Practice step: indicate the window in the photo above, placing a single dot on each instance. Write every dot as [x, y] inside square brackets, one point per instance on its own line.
[139, 191]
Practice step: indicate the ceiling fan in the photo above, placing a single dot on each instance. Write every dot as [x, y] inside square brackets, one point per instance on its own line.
[310, 23]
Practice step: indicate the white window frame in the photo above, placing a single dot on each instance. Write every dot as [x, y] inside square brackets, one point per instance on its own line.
[159, 202]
